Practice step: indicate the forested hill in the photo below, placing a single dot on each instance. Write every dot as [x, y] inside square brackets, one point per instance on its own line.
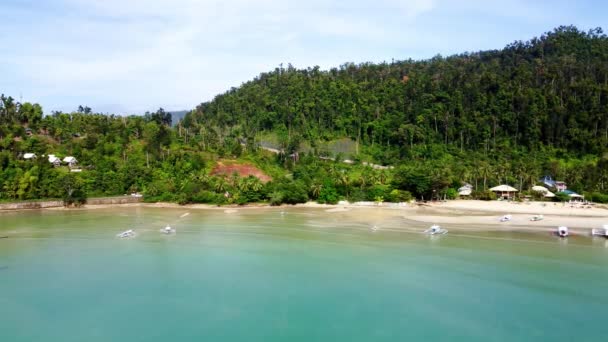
[550, 91]
[496, 117]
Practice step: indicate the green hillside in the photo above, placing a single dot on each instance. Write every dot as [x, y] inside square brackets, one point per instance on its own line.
[505, 116]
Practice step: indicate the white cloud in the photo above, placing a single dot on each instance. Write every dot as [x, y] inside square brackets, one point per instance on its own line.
[145, 54]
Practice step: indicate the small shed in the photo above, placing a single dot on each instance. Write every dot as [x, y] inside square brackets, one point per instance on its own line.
[504, 191]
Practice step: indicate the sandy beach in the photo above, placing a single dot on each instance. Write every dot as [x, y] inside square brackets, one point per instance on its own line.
[463, 215]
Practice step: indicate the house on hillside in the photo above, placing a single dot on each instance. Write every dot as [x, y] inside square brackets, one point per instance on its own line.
[54, 160]
[29, 156]
[28, 132]
[553, 184]
[71, 161]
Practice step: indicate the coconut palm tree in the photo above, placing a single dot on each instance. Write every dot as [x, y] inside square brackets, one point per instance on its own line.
[315, 190]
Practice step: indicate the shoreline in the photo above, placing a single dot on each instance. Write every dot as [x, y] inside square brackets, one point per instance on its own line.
[459, 215]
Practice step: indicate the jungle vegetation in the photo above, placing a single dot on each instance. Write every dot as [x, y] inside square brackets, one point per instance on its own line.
[511, 116]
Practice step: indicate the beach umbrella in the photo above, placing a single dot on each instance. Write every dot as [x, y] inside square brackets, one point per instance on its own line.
[503, 188]
[539, 188]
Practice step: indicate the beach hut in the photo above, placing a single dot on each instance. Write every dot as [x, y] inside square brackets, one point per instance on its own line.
[504, 191]
[539, 188]
[549, 194]
[544, 191]
[465, 190]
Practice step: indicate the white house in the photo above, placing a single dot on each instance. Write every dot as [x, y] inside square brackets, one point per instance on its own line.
[465, 190]
[71, 161]
[54, 160]
[28, 156]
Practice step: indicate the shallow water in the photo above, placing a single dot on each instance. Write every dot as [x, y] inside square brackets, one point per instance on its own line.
[300, 275]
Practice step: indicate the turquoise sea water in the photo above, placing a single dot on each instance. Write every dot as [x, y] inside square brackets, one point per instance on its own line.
[301, 275]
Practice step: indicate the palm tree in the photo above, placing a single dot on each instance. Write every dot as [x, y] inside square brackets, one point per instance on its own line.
[221, 184]
[382, 177]
[315, 190]
[344, 181]
[485, 170]
[255, 184]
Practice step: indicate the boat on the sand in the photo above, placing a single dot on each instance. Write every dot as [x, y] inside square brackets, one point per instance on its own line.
[435, 230]
[537, 218]
[506, 218]
[562, 231]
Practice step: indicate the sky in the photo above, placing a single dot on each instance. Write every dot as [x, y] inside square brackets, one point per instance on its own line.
[132, 56]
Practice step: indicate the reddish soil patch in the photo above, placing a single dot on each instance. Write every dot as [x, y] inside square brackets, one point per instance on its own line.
[243, 170]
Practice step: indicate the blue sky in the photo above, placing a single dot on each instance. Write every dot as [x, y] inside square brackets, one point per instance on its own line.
[129, 56]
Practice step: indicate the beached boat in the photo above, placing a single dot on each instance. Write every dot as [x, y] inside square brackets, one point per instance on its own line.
[562, 231]
[600, 231]
[168, 230]
[435, 230]
[126, 234]
[537, 218]
[506, 218]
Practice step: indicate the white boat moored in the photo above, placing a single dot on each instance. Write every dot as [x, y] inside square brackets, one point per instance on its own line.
[126, 234]
[506, 218]
[435, 230]
[562, 231]
[537, 218]
[168, 230]
[600, 231]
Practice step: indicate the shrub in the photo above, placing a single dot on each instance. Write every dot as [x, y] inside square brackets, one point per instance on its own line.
[561, 197]
[451, 193]
[207, 197]
[377, 191]
[328, 194]
[597, 197]
[399, 196]
[486, 195]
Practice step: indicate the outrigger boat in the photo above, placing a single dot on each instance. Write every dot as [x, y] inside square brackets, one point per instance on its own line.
[506, 218]
[126, 234]
[562, 231]
[168, 230]
[435, 230]
[600, 231]
[537, 218]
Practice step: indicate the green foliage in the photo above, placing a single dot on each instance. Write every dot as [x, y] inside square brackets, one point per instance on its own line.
[287, 192]
[561, 197]
[505, 116]
[73, 192]
[397, 196]
[328, 194]
[485, 195]
[597, 197]
[451, 194]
